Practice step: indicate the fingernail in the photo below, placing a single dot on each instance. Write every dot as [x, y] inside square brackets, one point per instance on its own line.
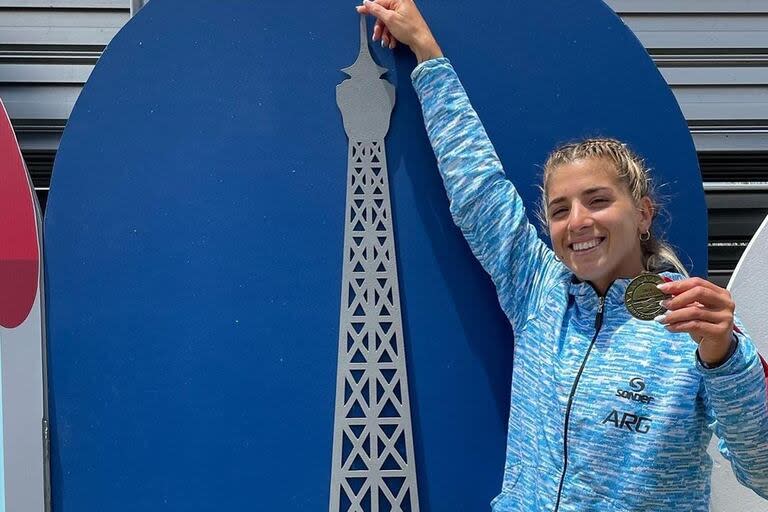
[664, 303]
[660, 319]
[391, 45]
[382, 43]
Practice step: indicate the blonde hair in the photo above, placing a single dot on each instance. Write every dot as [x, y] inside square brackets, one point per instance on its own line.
[632, 173]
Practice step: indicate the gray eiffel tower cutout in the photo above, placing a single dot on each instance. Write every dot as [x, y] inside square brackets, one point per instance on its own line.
[373, 467]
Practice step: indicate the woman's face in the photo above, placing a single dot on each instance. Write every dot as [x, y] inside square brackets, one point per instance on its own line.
[593, 222]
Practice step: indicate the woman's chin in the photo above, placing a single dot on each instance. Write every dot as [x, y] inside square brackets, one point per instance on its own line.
[592, 275]
[587, 270]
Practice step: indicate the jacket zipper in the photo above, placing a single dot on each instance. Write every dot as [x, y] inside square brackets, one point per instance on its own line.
[598, 325]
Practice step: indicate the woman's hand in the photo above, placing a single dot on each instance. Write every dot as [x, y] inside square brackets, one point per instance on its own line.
[400, 20]
[703, 310]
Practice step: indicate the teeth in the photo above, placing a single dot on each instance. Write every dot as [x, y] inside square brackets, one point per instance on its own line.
[583, 246]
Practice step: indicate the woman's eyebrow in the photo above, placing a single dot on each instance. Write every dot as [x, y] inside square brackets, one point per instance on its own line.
[589, 191]
[593, 190]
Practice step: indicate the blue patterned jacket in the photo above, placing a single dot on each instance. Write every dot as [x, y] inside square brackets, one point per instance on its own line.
[607, 412]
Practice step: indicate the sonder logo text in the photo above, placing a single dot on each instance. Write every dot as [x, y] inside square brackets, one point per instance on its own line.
[636, 385]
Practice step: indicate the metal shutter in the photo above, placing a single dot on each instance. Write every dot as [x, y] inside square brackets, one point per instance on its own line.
[47, 51]
[714, 55]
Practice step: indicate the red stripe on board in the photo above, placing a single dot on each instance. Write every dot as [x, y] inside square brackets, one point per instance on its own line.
[19, 252]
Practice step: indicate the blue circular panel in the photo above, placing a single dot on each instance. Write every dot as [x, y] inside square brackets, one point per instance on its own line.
[194, 240]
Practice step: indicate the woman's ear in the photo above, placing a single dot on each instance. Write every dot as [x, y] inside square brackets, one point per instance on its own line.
[645, 212]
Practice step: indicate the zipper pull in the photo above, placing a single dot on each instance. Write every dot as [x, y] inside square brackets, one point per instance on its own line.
[599, 316]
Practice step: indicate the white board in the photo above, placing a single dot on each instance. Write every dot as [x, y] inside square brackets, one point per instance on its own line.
[749, 287]
[23, 474]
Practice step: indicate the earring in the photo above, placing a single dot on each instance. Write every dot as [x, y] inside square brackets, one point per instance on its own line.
[644, 237]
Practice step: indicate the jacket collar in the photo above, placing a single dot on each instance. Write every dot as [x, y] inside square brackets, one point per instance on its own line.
[586, 296]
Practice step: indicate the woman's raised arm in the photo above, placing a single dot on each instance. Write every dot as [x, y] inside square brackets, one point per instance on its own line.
[483, 203]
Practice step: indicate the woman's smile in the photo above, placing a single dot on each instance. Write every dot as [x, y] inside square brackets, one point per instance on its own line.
[587, 246]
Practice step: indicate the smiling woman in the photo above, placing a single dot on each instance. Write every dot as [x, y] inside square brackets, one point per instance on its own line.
[577, 439]
[597, 201]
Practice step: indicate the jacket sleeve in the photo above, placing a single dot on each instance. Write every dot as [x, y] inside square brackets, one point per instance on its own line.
[483, 203]
[737, 404]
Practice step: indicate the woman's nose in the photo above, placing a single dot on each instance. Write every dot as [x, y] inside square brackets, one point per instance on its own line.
[579, 218]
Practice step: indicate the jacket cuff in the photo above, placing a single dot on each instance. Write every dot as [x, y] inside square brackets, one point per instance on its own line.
[731, 350]
[423, 70]
[742, 360]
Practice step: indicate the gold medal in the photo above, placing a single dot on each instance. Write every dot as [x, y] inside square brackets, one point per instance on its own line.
[642, 297]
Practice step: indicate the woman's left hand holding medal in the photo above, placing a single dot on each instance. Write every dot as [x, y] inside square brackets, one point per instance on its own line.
[703, 310]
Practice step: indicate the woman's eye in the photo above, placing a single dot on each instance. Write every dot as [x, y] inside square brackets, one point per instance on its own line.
[557, 213]
[599, 201]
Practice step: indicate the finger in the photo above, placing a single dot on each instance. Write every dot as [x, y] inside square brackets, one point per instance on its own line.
[376, 9]
[697, 330]
[678, 287]
[694, 313]
[377, 29]
[702, 332]
[712, 299]
[393, 43]
[385, 38]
